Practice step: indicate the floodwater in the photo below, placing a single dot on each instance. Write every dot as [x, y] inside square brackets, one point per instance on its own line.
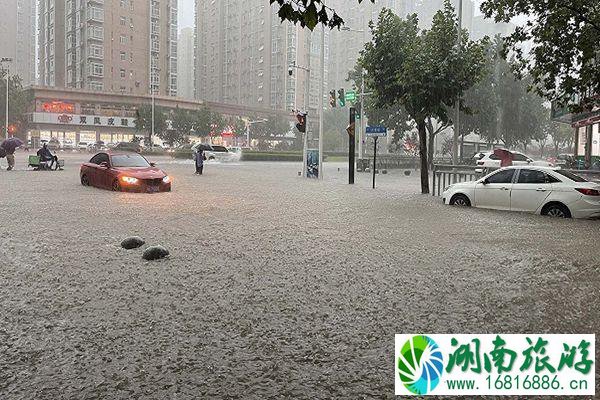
[276, 287]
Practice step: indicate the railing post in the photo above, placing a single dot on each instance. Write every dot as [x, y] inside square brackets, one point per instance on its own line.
[434, 170]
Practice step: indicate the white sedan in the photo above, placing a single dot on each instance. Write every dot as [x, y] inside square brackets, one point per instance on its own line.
[491, 160]
[539, 190]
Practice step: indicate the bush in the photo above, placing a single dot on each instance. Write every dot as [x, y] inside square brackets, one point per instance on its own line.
[268, 156]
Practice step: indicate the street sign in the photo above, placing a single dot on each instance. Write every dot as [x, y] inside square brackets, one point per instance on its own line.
[350, 95]
[376, 131]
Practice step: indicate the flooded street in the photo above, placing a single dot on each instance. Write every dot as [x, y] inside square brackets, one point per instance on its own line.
[276, 286]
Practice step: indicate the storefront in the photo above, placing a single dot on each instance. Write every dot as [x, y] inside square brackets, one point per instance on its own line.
[78, 128]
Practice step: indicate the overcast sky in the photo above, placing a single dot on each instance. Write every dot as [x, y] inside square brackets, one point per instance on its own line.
[186, 13]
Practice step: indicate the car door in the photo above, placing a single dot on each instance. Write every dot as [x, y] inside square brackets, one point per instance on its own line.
[494, 190]
[92, 170]
[105, 175]
[530, 189]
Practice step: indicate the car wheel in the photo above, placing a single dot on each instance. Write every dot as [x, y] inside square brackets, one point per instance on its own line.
[556, 210]
[116, 187]
[84, 180]
[460, 200]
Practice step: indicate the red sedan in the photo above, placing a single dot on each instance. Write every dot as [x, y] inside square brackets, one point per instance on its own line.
[129, 172]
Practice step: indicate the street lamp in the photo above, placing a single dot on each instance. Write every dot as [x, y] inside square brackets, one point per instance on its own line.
[306, 104]
[2, 61]
[457, 110]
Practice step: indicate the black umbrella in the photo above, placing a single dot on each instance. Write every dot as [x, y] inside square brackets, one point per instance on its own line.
[203, 147]
[11, 144]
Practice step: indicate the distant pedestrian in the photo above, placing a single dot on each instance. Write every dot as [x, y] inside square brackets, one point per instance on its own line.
[9, 146]
[199, 158]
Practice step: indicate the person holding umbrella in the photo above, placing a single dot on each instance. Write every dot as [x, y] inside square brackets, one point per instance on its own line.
[199, 159]
[8, 148]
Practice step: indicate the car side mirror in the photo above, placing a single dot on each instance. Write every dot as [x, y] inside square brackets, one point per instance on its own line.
[529, 161]
[485, 181]
[153, 164]
[103, 164]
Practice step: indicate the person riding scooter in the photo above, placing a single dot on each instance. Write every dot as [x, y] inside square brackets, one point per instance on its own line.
[46, 155]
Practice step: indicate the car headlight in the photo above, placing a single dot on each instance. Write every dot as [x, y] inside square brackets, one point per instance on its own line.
[167, 179]
[130, 180]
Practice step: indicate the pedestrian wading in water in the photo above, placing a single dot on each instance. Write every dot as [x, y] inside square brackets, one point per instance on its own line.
[200, 158]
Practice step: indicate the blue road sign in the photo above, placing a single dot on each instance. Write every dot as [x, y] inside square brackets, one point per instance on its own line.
[378, 130]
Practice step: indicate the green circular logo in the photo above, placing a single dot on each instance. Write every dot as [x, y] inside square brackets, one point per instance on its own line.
[420, 364]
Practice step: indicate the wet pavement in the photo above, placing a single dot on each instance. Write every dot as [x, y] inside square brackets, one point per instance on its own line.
[276, 287]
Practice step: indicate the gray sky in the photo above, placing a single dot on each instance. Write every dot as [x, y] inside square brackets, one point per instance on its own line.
[186, 13]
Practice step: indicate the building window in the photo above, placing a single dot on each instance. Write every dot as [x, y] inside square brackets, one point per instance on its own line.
[123, 39]
[96, 69]
[122, 73]
[123, 56]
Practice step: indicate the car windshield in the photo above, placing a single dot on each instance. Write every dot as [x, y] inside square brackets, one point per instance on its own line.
[129, 160]
[571, 176]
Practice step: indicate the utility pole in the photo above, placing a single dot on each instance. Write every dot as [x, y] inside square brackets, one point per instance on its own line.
[152, 134]
[361, 133]
[321, 94]
[306, 104]
[6, 60]
[351, 145]
[457, 108]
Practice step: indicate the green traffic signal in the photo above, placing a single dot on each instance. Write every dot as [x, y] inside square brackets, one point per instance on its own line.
[342, 97]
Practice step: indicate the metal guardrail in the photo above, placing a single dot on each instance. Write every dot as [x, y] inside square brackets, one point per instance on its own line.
[444, 175]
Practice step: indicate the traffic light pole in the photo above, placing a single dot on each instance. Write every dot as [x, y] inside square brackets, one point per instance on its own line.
[351, 145]
[361, 133]
[321, 94]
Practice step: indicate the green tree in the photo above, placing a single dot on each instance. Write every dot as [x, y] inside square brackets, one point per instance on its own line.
[20, 101]
[418, 69]
[182, 123]
[335, 137]
[561, 135]
[309, 13]
[143, 121]
[201, 122]
[500, 108]
[237, 126]
[272, 128]
[565, 38]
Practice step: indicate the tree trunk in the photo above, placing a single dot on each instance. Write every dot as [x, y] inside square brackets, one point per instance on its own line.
[431, 144]
[423, 155]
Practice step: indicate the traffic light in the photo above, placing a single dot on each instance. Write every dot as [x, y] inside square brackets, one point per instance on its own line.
[332, 98]
[301, 125]
[342, 97]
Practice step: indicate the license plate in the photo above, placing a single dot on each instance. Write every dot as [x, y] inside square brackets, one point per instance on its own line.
[152, 189]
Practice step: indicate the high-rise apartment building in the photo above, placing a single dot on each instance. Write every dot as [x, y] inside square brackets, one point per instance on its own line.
[185, 64]
[347, 42]
[126, 46]
[17, 33]
[243, 52]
